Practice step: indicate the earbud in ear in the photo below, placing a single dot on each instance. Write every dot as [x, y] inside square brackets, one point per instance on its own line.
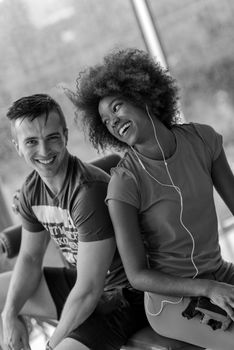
[147, 108]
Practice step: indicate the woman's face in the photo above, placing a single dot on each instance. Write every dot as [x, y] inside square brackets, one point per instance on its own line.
[124, 121]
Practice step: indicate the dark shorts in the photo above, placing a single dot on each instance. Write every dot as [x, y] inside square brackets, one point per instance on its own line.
[119, 314]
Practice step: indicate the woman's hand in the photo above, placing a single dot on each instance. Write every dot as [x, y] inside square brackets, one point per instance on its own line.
[222, 294]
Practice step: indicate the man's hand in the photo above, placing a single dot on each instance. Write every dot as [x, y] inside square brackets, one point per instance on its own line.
[15, 334]
[15, 204]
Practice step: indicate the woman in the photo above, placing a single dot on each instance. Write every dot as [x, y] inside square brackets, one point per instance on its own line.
[160, 196]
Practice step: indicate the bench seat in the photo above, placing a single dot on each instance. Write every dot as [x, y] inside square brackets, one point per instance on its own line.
[148, 339]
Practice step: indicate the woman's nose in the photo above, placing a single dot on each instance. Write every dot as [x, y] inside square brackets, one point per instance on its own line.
[115, 121]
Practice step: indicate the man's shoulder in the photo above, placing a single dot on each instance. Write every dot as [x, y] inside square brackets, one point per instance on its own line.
[30, 188]
[30, 181]
[89, 174]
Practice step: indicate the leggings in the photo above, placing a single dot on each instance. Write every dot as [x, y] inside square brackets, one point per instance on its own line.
[170, 322]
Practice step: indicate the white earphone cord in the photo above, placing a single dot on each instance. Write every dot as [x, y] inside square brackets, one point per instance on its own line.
[178, 190]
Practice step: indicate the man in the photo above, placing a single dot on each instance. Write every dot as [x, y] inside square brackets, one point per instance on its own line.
[63, 198]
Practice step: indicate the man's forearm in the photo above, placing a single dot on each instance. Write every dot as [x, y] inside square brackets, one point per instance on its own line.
[25, 279]
[76, 310]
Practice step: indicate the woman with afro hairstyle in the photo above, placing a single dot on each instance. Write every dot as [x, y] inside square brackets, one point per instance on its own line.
[160, 196]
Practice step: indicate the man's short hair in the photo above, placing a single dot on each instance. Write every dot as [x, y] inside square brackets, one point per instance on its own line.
[34, 106]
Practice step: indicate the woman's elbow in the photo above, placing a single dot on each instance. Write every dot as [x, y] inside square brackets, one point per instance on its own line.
[136, 279]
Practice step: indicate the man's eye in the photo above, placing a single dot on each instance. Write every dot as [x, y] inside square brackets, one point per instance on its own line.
[106, 122]
[54, 138]
[31, 143]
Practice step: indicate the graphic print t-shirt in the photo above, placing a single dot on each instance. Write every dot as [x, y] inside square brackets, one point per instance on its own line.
[77, 213]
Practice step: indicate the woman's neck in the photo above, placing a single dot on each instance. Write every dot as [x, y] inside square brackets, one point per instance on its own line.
[164, 137]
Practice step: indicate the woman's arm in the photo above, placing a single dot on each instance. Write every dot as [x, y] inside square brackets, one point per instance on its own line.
[223, 180]
[93, 262]
[131, 248]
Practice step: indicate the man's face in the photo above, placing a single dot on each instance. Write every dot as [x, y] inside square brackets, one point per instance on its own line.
[42, 144]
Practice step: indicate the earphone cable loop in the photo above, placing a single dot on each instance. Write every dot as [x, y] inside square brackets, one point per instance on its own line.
[178, 190]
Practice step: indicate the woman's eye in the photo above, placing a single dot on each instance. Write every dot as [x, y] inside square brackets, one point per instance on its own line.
[116, 107]
[106, 122]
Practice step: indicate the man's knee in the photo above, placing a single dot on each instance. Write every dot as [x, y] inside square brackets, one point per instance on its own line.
[10, 239]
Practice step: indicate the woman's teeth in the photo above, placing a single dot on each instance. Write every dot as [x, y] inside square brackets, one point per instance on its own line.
[124, 128]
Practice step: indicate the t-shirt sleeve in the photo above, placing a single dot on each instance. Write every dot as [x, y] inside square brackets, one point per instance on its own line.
[123, 187]
[91, 214]
[28, 218]
[211, 139]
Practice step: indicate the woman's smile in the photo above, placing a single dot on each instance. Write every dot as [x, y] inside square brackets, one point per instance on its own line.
[123, 130]
[123, 120]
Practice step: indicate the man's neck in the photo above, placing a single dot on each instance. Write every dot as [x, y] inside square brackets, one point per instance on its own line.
[55, 183]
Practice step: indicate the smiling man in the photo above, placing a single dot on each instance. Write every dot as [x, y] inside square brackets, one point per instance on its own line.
[63, 199]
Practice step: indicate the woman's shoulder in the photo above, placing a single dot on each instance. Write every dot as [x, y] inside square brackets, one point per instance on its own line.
[200, 134]
[194, 128]
[124, 184]
[124, 161]
[125, 170]
[126, 165]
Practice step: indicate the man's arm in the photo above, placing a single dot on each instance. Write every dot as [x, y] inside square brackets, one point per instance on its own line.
[93, 262]
[25, 279]
[107, 162]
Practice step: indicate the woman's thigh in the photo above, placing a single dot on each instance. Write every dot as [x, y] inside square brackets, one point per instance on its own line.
[172, 324]
[71, 344]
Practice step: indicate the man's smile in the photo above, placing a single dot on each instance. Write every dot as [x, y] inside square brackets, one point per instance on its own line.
[46, 161]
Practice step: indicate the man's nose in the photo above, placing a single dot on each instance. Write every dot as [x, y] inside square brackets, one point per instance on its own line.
[43, 148]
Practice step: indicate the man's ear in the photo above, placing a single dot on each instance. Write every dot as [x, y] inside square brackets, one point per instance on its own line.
[16, 146]
[66, 135]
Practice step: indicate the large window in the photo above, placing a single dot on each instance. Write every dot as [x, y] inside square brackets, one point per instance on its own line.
[45, 43]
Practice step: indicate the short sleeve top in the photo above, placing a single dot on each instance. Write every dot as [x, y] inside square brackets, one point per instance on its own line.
[170, 223]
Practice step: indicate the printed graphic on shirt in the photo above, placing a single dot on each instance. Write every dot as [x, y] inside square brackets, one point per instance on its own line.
[62, 229]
